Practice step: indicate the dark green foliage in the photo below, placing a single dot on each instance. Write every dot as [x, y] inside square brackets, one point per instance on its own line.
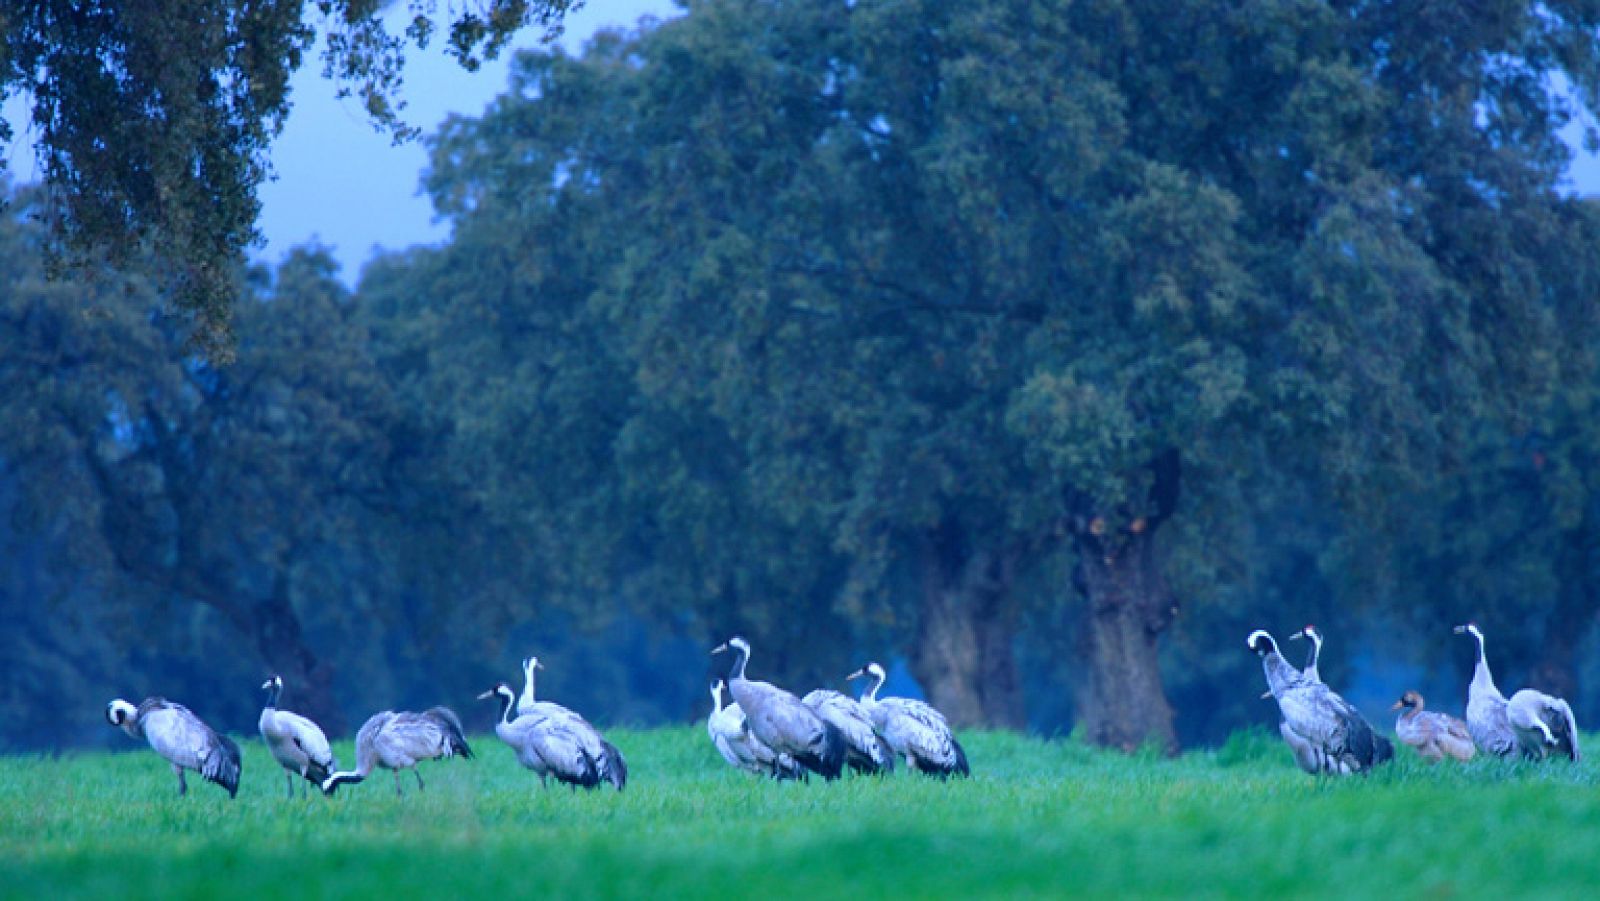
[153, 119]
[1032, 345]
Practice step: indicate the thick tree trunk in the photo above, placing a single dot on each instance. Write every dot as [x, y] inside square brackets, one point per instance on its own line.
[1119, 697]
[308, 682]
[963, 656]
[270, 621]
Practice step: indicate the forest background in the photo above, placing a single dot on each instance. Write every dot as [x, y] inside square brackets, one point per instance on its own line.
[1041, 351]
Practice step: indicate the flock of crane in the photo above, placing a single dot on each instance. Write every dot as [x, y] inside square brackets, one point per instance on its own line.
[771, 732]
[1328, 735]
[765, 730]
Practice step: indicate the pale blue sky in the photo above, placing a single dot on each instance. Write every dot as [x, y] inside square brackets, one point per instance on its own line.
[343, 184]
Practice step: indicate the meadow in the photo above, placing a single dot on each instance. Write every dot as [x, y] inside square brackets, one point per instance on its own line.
[1039, 818]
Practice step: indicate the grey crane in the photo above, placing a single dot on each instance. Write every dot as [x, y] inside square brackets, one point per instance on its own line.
[613, 767]
[398, 741]
[1310, 672]
[544, 744]
[730, 734]
[1537, 724]
[1326, 733]
[1305, 753]
[295, 742]
[1434, 735]
[865, 751]
[781, 720]
[913, 729]
[178, 735]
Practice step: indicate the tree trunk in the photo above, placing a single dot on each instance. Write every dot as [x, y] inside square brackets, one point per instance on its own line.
[1577, 603]
[308, 682]
[964, 656]
[1119, 697]
[271, 622]
[1120, 701]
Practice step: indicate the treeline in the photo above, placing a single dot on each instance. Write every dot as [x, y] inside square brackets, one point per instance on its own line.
[1043, 349]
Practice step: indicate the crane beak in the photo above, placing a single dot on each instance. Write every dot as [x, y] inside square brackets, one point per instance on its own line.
[1266, 695]
[720, 648]
[486, 695]
[1297, 636]
[1460, 630]
[1398, 704]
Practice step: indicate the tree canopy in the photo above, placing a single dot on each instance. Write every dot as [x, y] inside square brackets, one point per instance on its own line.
[153, 119]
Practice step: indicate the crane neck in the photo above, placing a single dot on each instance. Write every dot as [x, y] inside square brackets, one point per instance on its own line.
[1281, 676]
[716, 699]
[528, 678]
[870, 696]
[273, 693]
[741, 657]
[505, 706]
[1313, 656]
[1481, 677]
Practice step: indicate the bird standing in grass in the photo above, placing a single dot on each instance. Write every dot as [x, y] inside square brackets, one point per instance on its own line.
[913, 729]
[545, 744]
[730, 734]
[1383, 749]
[781, 720]
[612, 766]
[398, 741]
[295, 742]
[865, 751]
[1537, 724]
[178, 735]
[1326, 733]
[1434, 735]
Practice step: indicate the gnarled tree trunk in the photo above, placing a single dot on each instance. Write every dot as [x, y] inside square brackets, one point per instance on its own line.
[1119, 697]
[964, 656]
[308, 682]
[172, 558]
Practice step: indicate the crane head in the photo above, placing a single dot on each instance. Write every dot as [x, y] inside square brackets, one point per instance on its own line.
[1261, 643]
[871, 669]
[119, 712]
[500, 689]
[736, 643]
[273, 682]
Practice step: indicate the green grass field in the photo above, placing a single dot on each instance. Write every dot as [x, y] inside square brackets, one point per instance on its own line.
[1040, 818]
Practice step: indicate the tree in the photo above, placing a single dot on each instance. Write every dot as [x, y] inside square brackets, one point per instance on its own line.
[154, 118]
[231, 489]
[966, 282]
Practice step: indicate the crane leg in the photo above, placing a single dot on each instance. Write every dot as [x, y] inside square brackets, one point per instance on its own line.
[183, 785]
[289, 783]
[397, 791]
[418, 773]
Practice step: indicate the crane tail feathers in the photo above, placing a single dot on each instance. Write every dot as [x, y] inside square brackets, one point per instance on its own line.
[455, 740]
[222, 766]
[616, 766]
[826, 755]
